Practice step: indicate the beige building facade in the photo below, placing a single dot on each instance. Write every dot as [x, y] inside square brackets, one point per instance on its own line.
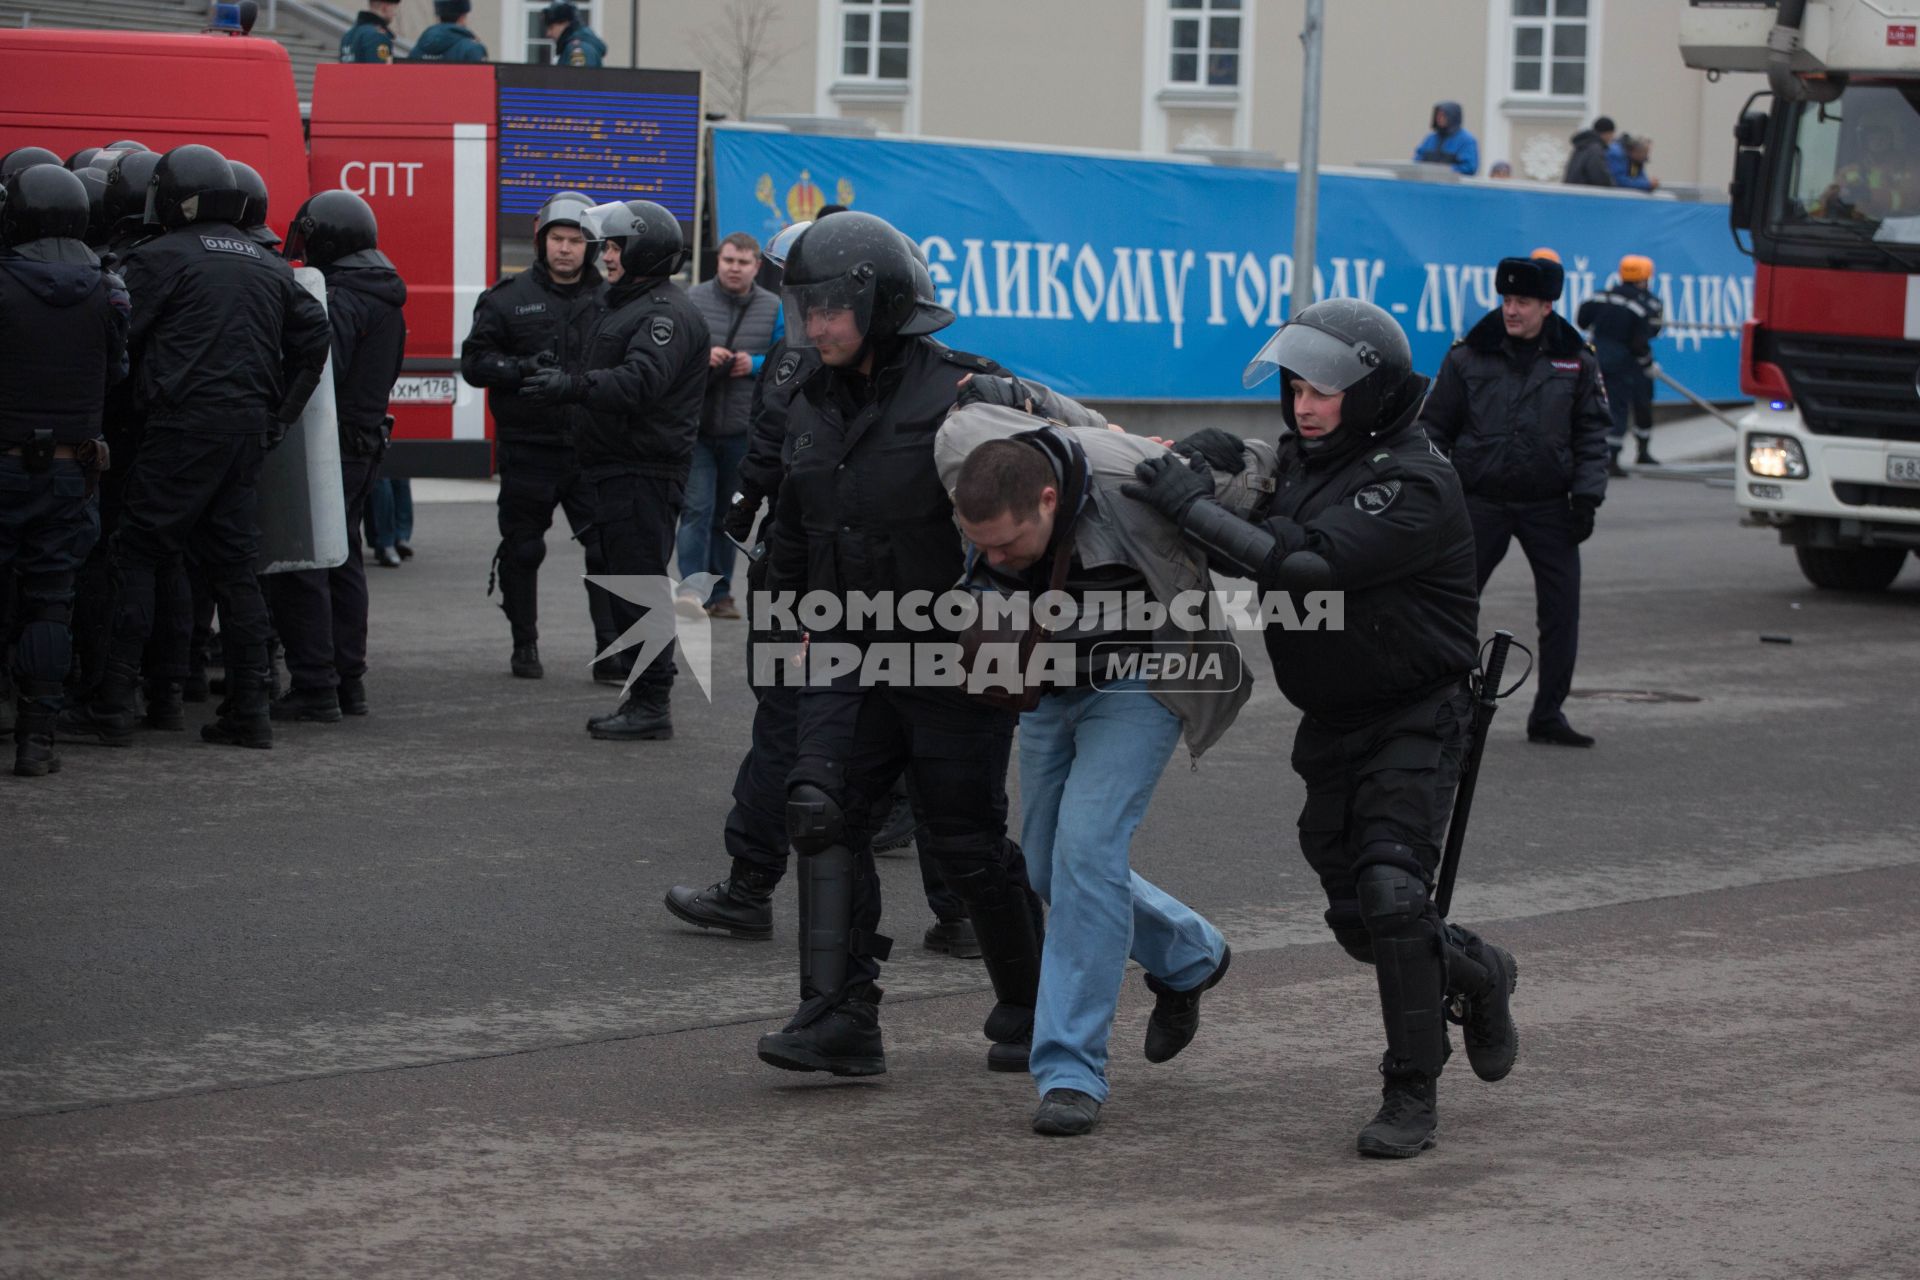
[1161, 76]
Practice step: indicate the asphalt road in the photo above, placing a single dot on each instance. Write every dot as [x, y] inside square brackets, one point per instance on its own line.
[398, 998]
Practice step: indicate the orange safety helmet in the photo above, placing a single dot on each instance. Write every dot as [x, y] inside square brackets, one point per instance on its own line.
[1636, 268]
[1544, 252]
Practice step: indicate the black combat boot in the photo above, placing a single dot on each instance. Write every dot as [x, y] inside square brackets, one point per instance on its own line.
[1176, 1014]
[195, 687]
[107, 717]
[1614, 468]
[611, 671]
[742, 904]
[322, 706]
[1643, 453]
[33, 755]
[954, 938]
[644, 715]
[1006, 919]
[166, 708]
[245, 719]
[844, 1039]
[1407, 1122]
[1485, 1013]
[526, 662]
[353, 696]
[7, 693]
[894, 823]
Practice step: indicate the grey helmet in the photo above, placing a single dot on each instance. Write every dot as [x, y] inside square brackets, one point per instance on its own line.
[1341, 344]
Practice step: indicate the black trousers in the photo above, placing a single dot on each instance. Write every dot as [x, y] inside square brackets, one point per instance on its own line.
[535, 479]
[637, 518]
[1545, 533]
[321, 614]
[193, 494]
[48, 523]
[854, 742]
[167, 655]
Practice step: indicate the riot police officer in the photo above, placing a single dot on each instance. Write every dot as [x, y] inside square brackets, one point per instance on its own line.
[574, 42]
[26, 158]
[321, 614]
[254, 220]
[863, 509]
[1364, 505]
[63, 325]
[543, 316]
[448, 40]
[226, 347]
[1624, 321]
[643, 384]
[370, 38]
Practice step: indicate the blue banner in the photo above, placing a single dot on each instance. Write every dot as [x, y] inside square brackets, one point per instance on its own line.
[1115, 278]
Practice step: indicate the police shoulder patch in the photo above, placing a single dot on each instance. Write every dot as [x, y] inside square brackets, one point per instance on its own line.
[228, 244]
[803, 441]
[660, 329]
[788, 366]
[967, 360]
[1375, 498]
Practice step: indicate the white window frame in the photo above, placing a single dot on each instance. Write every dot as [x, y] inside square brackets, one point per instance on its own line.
[1231, 105]
[874, 11]
[527, 44]
[1546, 24]
[1204, 14]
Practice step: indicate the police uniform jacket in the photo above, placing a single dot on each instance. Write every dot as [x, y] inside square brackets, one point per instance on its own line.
[1522, 422]
[781, 376]
[1624, 321]
[1387, 515]
[221, 331]
[368, 40]
[369, 342]
[447, 42]
[65, 341]
[522, 316]
[646, 375]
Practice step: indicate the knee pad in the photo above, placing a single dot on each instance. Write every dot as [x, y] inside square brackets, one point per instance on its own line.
[1393, 899]
[815, 822]
[1350, 929]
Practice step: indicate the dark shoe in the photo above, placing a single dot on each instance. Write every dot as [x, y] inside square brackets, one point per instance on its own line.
[1492, 1040]
[245, 718]
[898, 827]
[322, 706]
[844, 1040]
[611, 671]
[166, 708]
[642, 717]
[353, 696]
[1559, 735]
[108, 717]
[387, 558]
[195, 688]
[1644, 458]
[1615, 470]
[954, 938]
[1406, 1123]
[741, 905]
[1176, 1014]
[526, 662]
[1066, 1113]
[1012, 1056]
[8, 716]
[725, 608]
[33, 754]
[402, 550]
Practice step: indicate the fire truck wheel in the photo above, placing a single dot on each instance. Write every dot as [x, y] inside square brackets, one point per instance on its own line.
[1851, 568]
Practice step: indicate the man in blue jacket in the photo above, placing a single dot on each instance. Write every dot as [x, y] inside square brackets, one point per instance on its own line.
[1627, 162]
[1449, 144]
[447, 40]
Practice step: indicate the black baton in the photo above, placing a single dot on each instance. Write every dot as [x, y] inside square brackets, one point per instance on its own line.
[1486, 701]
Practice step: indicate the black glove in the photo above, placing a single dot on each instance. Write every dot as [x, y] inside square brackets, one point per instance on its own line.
[739, 519]
[554, 386]
[1007, 391]
[1580, 509]
[1221, 449]
[1167, 486]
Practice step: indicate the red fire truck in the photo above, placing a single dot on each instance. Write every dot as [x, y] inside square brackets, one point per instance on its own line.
[1827, 186]
[455, 160]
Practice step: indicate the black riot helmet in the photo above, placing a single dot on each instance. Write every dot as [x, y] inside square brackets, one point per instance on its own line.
[193, 184]
[565, 209]
[127, 181]
[25, 157]
[82, 158]
[42, 201]
[851, 267]
[254, 187]
[333, 226]
[646, 235]
[126, 144]
[1341, 344]
[928, 315]
[99, 226]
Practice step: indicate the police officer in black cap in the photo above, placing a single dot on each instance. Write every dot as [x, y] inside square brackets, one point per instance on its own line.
[539, 318]
[1364, 505]
[862, 509]
[321, 614]
[643, 384]
[63, 326]
[227, 347]
[1521, 408]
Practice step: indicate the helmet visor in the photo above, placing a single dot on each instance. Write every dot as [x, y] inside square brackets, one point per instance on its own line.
[1330, 363]
[782, 244]
[831, 313]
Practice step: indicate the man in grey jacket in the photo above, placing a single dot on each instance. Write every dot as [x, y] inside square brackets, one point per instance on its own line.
[1025, 493]
[745, 321]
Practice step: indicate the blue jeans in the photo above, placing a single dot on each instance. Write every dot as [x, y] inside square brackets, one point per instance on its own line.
[1089, 762]
[390, 510]
[703, 543]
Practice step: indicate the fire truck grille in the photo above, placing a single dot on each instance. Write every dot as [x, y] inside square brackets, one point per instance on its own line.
[1852, 386]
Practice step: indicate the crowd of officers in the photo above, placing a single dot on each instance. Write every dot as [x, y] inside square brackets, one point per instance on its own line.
[199, 348]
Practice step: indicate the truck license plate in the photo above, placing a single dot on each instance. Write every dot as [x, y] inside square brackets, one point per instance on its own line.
[1903, 470]
[441, 389]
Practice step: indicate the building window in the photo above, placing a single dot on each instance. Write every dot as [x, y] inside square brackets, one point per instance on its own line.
[1550, 48]
[1203, 43]
[875, 36]
[539, 48]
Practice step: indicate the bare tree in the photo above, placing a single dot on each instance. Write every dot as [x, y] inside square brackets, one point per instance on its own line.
[738, 51]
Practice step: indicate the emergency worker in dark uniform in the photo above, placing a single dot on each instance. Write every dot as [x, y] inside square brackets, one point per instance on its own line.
[1521, 408]
[863, 509]
[370, 38]
[574, 42]
[226, 349]
[1364, 505]
[543, 317]
[1624, 321]
[63, 327]
[643, 383]
[448, 40]
[321, 614]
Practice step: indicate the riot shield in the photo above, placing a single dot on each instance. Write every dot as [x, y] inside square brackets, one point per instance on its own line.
[302, 507]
